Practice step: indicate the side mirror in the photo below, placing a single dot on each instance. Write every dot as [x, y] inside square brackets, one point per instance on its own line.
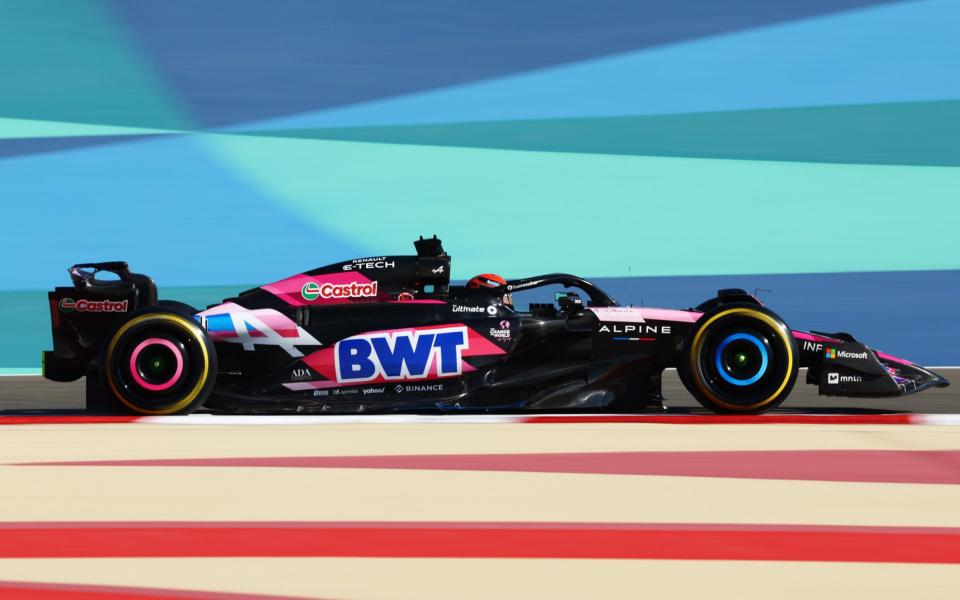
[569, 302]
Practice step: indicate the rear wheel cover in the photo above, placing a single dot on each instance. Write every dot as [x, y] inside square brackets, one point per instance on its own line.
[742, 359]
[159, 364]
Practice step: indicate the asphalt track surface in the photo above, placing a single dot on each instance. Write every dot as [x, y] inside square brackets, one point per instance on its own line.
[29, 393]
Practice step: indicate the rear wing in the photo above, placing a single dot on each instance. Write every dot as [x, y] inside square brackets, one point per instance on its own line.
[83, 314]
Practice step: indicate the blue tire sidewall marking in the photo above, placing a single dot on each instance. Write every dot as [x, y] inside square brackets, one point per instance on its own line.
[756, 342]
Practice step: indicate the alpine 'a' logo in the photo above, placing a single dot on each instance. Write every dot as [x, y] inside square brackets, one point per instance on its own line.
[406, 355]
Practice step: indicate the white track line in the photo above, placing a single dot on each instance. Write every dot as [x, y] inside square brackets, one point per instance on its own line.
[239, 420]
[205, 419]
[936, 420]
[520, 419]
[37, 372]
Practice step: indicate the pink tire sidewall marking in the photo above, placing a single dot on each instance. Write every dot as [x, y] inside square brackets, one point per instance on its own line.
[152, 386]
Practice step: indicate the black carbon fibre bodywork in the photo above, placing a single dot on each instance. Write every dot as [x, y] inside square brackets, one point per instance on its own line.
[390, 333]
[551, 360]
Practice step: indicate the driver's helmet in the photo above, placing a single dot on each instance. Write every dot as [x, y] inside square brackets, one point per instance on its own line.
[491, 280]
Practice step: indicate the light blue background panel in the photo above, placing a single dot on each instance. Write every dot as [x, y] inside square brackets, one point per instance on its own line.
[233, 142]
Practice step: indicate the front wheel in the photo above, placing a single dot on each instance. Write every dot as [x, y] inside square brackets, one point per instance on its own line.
[739, 358]
[159, 362]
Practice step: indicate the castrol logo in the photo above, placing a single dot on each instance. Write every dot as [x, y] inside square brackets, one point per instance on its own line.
[68, 305]
[312, 290]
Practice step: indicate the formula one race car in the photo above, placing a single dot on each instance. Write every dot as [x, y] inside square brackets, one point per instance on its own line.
[390, 333]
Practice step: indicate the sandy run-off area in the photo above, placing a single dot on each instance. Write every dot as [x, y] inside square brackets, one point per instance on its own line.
[478, 508]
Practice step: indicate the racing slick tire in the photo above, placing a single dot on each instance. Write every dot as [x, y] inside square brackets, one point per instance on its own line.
[739, 358]
[159, 361]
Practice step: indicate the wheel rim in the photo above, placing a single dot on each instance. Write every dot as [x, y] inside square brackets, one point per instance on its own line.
[157, 364]
[739, 355]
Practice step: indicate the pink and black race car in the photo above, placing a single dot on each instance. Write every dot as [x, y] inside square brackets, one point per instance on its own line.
[390, 333]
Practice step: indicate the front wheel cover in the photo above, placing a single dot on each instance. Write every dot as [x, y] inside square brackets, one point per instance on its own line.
[159, 362]
[740, 358]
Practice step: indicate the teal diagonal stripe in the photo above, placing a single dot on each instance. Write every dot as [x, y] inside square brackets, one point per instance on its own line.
[604, 214]
[910, 133]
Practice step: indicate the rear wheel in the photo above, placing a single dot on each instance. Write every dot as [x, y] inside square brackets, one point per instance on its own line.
[159, 362]
[740, 358]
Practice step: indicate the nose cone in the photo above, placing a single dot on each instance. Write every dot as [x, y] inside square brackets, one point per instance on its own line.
[922, 378]
[930, 379]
